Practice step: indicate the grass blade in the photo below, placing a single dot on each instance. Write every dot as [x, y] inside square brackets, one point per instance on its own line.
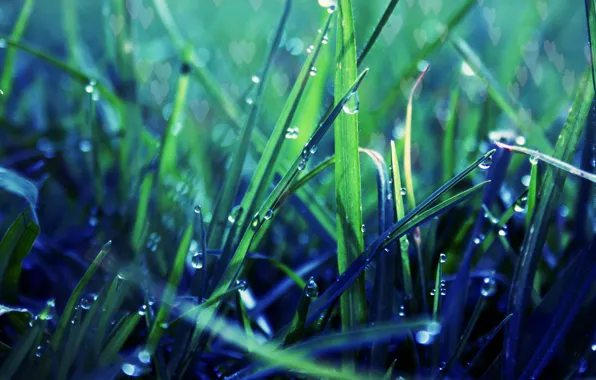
[532, 194]
[18, 354]
[76, 295]
[408, 143]
[121, 333]
[350, 241]
[377, 31]
[297, 327]
[534, 240]
[9, 59]
[14, 247]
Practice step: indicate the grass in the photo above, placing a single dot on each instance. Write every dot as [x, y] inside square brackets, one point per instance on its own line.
[156, 224]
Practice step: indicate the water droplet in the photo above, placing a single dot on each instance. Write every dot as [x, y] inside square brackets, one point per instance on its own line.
[292, 133]
[503, 230]
[143, 310]
[443, 292]
[90, 87]
[249, 100]
[313, 71]
[144, 357]
[130, 369]
[403, 191]
[85, 146]
[198, 209]
[85, 303]
[434, 328]
[269, 214]
[233, 214]
[255, 79]
[443, 257]
[488, 287]
[533, 160]
[313, 149]
[423, 337]
[312, 289]
[40, 351]
[164, 325]
[325, 39]
[521, 204]
[486, 163]
[310, 49]
[302, 165]
[197, 260]
[331, 9]
[442, 366]
[241, 285]
[593, 347]
[51, 303]
[432, 292]
[3, 43]
[121, 276]
[352, 106]
[520, 140]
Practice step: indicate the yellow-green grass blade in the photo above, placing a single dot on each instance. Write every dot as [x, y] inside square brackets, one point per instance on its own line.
[350, 241]
[6, 78]
[532, 194]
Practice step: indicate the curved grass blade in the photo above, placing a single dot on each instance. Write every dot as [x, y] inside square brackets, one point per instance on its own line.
[534, 240]
[232, 182]
[297, 327]
[76, 295]
[244, 319]
[6, 78]
[14, 247]
[350, 240]
[550, 160]
[408, 142]
[20, 186]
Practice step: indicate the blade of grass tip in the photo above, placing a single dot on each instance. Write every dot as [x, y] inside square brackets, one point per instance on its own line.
[6, 79]
[297, 328]
[266, 211]
[531, 250]
[404, 244]
[350, 240]
[536, 155]
[449, 136]
[14, 247]
[497, 93]
[228, 195]
[122, 331]
[170, 291]
[76, 295]
[263, 174]
[410, 221]
[377, 31]
[436, 293]
[390, 371]
[408, 142]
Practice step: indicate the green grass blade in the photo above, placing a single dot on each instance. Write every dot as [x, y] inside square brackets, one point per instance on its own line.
[449, 136]
[498, 94]
[140, 225]
[6, 79]
[532, 194]
[408, 143]
[19, 353]
[168, 155]
[232, 182]
[14, 247]
[531, 250]
[244, 319]
[350, 241]
[437, 290]
[296, 331]
[121, 333]
[114, 298]
[377, 31]
[170, 291]
[390, 371]
[76, 295]
[399, 212]
[591, 22]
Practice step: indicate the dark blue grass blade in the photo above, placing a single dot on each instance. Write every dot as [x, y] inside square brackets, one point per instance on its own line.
[457, 296]
[534, 241]
[354, 270]
[489, 338]
[560, 308]
[382, 294]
